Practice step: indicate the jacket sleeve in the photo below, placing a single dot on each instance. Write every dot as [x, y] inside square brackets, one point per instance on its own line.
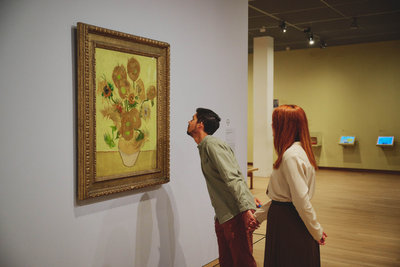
[223, 159]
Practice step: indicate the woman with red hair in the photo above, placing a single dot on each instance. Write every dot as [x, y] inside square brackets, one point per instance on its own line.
[293, 232]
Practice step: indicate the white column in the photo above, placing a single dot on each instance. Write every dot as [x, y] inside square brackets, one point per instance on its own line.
[263, 86]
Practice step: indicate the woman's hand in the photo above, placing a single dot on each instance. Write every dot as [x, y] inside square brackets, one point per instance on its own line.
[258, 202]
[323, 239]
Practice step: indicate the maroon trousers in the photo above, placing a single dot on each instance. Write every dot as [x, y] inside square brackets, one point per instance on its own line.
[235, 242]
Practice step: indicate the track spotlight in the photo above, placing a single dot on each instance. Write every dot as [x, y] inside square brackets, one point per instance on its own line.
[311, 39]
[283, 26]
[310, 36]
[354, 24]
[322, 44]
[263, 29]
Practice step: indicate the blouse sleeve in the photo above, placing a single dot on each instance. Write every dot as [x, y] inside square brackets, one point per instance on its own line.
[261, 214]
[294, 170]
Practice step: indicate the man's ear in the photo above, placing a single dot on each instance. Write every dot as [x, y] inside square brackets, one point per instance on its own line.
[200, 125]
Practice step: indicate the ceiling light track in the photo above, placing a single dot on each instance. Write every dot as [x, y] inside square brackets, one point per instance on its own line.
[334, 9]
[311, 37]
[274, 17]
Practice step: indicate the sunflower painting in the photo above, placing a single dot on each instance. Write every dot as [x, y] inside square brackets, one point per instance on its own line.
[126, 113]
[123, 85]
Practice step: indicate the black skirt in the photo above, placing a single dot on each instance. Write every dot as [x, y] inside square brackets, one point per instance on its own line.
[288, 242]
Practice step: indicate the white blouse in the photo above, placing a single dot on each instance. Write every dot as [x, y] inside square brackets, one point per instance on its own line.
[294, 181]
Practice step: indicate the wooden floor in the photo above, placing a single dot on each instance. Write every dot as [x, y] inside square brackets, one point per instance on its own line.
[359, 211]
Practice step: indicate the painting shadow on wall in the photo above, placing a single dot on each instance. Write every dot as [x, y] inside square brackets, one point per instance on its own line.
[170, 251]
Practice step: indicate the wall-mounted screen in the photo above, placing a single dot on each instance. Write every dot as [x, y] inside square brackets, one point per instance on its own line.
[347, 140]
[385, 141]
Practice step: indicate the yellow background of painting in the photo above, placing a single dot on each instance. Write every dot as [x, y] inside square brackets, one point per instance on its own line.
[109, 163]
[106, 61]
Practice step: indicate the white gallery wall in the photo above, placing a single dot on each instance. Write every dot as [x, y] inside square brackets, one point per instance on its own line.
[167, 225]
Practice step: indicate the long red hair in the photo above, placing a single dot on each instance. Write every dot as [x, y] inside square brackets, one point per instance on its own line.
[289, 124]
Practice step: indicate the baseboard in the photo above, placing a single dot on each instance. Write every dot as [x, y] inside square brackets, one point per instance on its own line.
[214, 263]
[359, 170]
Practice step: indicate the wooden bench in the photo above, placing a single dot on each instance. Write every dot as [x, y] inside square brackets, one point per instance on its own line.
[250, 170]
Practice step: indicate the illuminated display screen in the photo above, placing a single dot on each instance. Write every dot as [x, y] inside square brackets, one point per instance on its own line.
[347, 140]
[385, 140]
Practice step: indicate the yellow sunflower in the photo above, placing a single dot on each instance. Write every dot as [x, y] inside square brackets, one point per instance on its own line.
[100, 86]
[124, 89]
[140, 90]
[137, 122]
[151, 92]
[133, 68]
[145, 111]
[131, 98]
[127, 130]
[129, 122]
[119, 75]
[111, 113]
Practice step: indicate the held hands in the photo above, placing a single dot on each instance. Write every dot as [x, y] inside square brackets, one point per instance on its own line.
[322, 240]
[253, 223]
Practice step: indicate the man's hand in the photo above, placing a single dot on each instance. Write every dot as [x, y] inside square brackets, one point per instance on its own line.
[253, 224]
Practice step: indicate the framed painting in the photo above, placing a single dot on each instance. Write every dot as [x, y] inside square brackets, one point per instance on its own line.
[122, 112]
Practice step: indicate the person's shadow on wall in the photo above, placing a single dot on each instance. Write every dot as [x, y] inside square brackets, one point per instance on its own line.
[170, 250]
[144, 231]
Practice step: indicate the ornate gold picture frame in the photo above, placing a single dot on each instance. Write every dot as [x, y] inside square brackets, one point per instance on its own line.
[123, 112]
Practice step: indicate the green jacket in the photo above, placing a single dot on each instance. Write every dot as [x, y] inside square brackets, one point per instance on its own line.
[228, 190]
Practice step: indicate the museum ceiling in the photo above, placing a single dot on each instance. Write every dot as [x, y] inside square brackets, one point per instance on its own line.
[327, 22]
